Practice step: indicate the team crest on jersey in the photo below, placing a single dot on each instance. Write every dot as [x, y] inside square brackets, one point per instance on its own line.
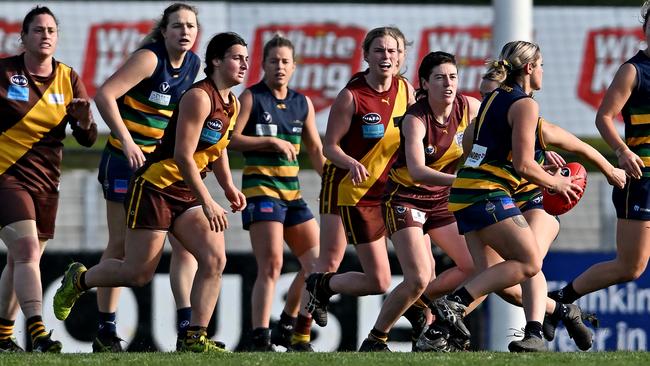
[430, 150]
[459, 138]
[164, 87]
[266, 116]
[19, 80]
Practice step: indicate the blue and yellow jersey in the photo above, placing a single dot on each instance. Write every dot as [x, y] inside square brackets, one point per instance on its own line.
[269, 173]
[526, 190]
[161, 169]
[488, 171]
[636, 112]
[147, 107]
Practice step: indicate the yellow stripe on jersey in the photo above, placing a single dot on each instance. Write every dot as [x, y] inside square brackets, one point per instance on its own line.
[646, 160]
[145, 108]
[378, 157]
[468, 183]
[287, 195]
[118, 145]
[636, 141]
[272, 171]
[40, 120]
[453, 207]
[151, 132]
[640, 119]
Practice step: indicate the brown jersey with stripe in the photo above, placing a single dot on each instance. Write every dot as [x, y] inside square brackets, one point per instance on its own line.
[442, 149]
[33, 121]
[372, 139]
[161, 169]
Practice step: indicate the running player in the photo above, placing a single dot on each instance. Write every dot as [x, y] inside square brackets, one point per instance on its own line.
[503, 152]
[167, 194]
[628, 95]
[361, 144]
[136, 102]
[272, 122]
[418, 189]
[39, 98]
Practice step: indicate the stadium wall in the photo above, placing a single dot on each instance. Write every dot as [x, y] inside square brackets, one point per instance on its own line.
[582, 46]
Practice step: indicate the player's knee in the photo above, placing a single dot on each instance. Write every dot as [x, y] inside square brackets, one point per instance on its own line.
[140, 278]
[531, 268]
[26, 250]
[380, 283]
[271, 269]
[212, 263]
[416, 284]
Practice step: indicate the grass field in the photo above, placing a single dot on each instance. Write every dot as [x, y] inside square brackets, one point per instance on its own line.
[338, 359]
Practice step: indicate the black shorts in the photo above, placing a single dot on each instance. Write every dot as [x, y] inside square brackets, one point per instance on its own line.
[633, 201]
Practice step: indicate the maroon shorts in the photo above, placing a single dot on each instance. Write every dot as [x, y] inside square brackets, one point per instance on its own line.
[426, 214]
[153, 208]
[362, 224]
[20, 203]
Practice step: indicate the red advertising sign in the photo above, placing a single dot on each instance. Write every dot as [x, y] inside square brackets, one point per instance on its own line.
[472, 47]
[605, 50]
[109, 44]
[9, 38]
[327, 56]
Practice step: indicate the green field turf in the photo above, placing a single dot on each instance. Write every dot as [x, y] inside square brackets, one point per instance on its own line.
[337, 359]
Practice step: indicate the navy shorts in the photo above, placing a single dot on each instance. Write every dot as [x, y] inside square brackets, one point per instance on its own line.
[114, 176]
[264, 208]
[633, 201]
[485, 213]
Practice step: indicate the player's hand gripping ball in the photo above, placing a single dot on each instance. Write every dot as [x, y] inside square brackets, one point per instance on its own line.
[556, 204]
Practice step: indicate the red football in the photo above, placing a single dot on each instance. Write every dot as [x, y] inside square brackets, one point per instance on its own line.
[556, 204]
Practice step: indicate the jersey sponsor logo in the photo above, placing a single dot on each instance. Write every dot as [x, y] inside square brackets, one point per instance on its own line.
[164, 87]
[9, 38]
[56, 98]
[211, 132]
[266, 130]
[605, 50]
[371, 118]
[329, 54]
[20, 93]
[159, 98]
[418, 216]
[476, 156]
[472, 45]
[19, 80]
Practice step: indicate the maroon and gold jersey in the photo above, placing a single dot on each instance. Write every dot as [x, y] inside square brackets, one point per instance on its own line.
[442, 148]
[161, 169]
[33, 121]
[372, 139]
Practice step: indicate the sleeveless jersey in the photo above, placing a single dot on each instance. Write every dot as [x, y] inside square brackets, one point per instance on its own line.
[33, 121]
[636, 112]
[488, 171]
[372, 139]
[442, 147]
[527, 190]
[270, 173]
[147, 107]
[162, 171]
